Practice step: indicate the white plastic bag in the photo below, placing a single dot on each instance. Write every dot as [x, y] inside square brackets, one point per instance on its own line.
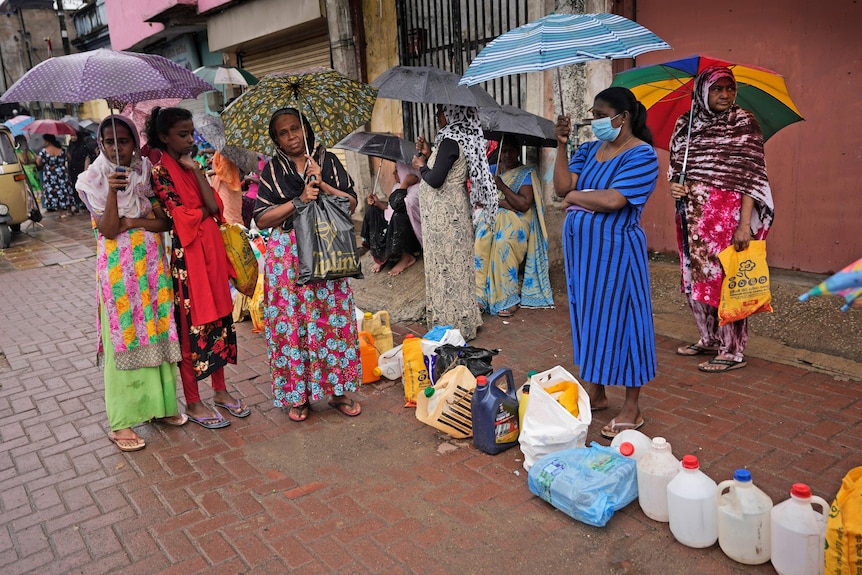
[548, 426]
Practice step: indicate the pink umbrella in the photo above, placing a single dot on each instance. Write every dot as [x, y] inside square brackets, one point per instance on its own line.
[55, 127]
[138, 112]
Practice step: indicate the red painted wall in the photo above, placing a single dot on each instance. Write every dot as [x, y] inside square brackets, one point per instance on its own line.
[815, 166]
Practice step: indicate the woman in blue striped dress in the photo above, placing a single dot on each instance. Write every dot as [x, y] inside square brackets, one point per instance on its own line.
[605, 187]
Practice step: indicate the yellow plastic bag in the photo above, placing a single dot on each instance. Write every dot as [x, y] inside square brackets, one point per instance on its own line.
[241, 256]
[567, 395]
[745, 289]
[843, 554]
[255, 308]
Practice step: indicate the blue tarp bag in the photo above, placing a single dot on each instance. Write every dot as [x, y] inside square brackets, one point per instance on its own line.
[587, 483]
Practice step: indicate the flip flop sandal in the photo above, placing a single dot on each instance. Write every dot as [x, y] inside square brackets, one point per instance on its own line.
[177, 420]
[508, 312]
[717, 365]
[128, 443]
[235, 409]
[613, 428]
[301, 410]
[694, 349]
[214, 422]
[349, 408]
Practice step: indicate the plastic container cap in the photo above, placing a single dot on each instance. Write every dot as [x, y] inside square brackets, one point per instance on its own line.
[377, 372]
[368, 314]
[659, 443]
[481, 380]
[690, 462]
[531, 373]
[800, 490]
[742, 475]
[626, 448]
[409, 335]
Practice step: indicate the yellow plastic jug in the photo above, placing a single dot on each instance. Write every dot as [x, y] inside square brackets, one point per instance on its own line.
[415, 377]
[377, 324]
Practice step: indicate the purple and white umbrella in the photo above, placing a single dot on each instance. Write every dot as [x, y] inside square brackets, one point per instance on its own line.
[106, 74]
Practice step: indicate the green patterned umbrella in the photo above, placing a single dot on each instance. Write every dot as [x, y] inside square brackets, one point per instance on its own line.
[334, 105]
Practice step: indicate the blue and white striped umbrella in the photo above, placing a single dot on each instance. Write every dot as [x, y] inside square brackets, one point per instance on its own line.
[558, 40]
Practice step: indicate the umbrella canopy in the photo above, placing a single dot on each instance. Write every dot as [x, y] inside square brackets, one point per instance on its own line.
[16, 124]
[666, 92]
[108, 74]
[558, 40]
[55, 127]
[334, 104]
[847, 283]
[380, 145]
[139, 112]
[430, 85]
[212, 128]
[90, 125]
[531, 130]
[73, 121]
[226, 75]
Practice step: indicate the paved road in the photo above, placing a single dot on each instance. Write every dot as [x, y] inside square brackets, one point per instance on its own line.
[381, 493]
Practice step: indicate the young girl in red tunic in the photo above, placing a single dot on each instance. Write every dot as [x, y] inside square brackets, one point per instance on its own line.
[199, 267]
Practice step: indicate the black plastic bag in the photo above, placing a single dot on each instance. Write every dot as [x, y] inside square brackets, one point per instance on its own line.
[476, 359]
[326, 240]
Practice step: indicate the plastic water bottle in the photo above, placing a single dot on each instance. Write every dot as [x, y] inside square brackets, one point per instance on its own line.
[691, 506]
[495, 413]
[638, 443]
[798, 533]
[655, 470]
[743, 520]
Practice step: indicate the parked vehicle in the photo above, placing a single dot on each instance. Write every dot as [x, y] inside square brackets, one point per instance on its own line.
[17, 202]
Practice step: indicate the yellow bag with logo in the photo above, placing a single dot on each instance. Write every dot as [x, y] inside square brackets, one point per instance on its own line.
[843, 554]
[255, 308]
[241, 256]
[745, 289]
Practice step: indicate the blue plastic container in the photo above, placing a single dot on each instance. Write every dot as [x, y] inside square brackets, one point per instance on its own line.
[495, 413]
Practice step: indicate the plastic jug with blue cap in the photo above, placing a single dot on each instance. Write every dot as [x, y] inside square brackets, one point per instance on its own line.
[744, 519]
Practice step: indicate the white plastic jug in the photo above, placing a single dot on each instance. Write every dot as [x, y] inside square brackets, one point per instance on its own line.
[638, 443]
[798, 533]
[655, 470]
[743, 520]
[391, 363]
[691, 506]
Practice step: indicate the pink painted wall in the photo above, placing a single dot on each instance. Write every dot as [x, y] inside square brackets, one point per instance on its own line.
[126, 23]
[815, 166]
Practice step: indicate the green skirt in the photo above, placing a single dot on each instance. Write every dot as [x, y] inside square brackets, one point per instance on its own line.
[133, 396]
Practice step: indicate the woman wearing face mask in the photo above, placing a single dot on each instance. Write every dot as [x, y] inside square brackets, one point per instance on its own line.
[605, 187]
[725, 199]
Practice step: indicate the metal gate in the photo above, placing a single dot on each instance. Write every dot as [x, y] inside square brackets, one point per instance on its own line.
[448, 34]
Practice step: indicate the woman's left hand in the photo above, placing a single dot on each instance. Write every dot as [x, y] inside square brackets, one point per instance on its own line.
[188, 162]
[741, 238]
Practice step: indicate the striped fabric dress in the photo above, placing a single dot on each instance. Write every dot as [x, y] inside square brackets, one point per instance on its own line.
[607, 271]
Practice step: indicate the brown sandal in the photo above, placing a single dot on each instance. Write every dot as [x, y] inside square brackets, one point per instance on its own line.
[299, 412]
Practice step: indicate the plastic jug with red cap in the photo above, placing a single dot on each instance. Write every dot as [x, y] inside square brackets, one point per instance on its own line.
[495, 413]
[691, 506]
[798, 533]
[631, 443]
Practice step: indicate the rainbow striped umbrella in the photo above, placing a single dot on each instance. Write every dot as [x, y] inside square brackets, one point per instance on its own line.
[665, 90]
[847, 283]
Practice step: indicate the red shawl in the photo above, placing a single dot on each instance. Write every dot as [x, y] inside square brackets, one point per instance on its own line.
[207, 265]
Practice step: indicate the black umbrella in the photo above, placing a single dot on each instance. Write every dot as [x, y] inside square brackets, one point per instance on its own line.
[531, 130]
[380, 145]
[429, 85]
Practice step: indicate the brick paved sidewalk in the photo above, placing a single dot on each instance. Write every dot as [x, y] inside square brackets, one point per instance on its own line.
[380, 493]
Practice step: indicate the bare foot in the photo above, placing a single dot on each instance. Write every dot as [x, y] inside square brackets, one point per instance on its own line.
[405, 262]
[375, 269]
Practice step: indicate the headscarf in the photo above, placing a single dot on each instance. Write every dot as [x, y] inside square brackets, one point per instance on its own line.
[462, 126]
[405, 170]
[725, 149]
[92, 184]
[280, 182]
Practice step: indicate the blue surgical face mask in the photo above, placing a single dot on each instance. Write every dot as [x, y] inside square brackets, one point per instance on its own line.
[603, 129]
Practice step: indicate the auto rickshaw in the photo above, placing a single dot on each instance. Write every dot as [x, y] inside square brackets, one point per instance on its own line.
[17, 202]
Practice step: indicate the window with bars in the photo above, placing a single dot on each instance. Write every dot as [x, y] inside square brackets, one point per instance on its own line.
[448, 34]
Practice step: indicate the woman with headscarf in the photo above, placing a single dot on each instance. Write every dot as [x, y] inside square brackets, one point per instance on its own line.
[313, 344]
[199, 267]
[517, 236]
[138, 343]
[57, 192]
[725, 199]
[605, 187]
[386, 227]
[447, 228]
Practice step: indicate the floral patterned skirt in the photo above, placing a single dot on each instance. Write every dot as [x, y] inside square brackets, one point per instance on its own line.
[311, 330]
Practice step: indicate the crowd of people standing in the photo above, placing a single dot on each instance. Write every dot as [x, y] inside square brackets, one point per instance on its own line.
[479, 227]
